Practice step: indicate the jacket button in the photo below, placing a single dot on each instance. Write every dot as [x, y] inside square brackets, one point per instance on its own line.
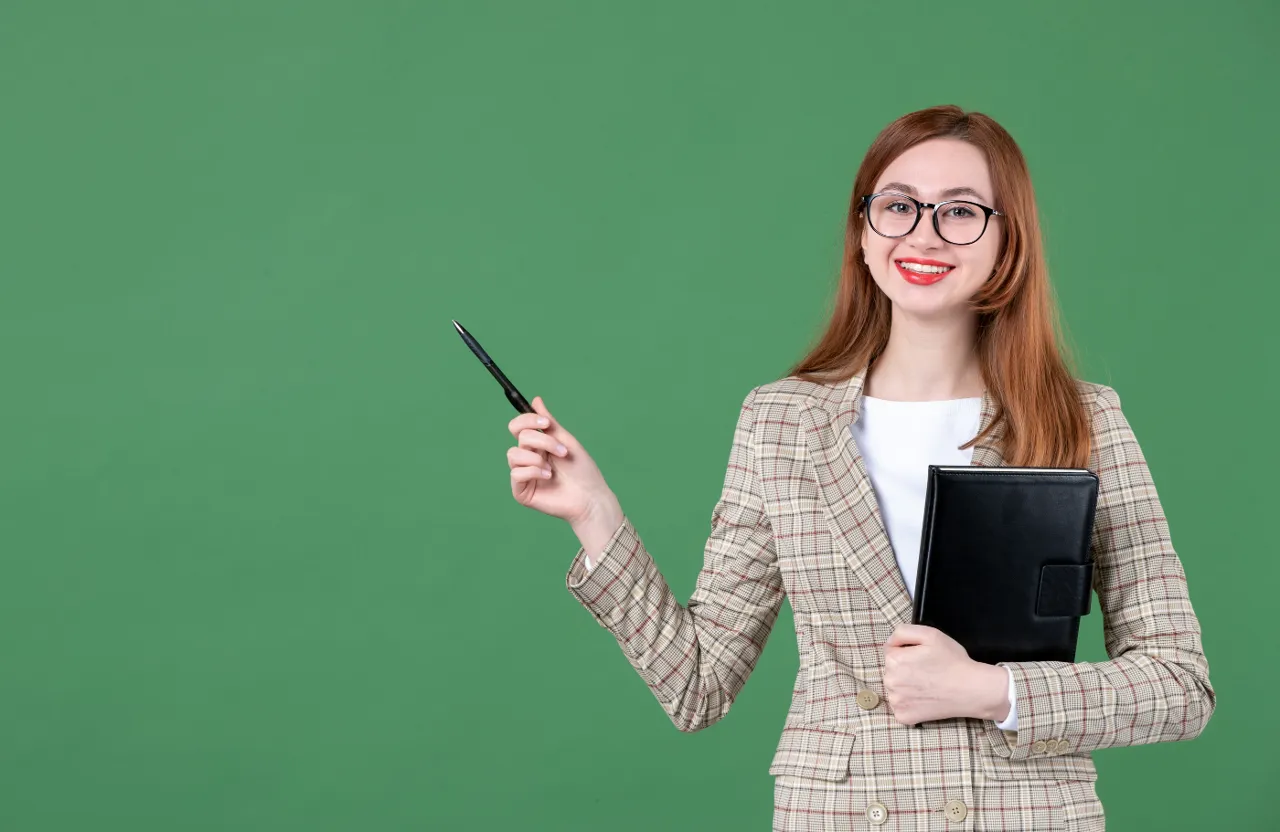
[867, 699]
[1039, 746]
[957, 811]
[1062, 747]
[877, 814]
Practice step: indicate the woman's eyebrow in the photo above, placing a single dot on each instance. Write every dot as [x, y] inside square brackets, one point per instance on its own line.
[947, 194]
[951, 192]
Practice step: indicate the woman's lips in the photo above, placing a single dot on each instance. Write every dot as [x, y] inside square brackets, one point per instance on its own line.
[936, 271]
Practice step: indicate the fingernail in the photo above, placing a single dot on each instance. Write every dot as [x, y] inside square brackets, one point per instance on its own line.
[560, 449]
[542, 420]
[546, 472]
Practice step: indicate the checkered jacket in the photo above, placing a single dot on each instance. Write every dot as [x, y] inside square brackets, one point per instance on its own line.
[797, 515]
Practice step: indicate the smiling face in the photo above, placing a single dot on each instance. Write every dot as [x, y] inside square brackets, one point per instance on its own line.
[923, 275]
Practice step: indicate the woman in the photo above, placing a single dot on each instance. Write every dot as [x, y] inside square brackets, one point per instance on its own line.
[942, 349]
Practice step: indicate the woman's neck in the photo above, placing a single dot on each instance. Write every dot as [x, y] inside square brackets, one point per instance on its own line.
[927, 361]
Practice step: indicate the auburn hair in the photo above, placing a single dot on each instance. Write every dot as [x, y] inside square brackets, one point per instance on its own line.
[1024, 362]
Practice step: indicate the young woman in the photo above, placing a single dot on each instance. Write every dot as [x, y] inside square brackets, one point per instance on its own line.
[942, 349]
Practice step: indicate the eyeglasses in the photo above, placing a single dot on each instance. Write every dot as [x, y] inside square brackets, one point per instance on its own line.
[958, 222]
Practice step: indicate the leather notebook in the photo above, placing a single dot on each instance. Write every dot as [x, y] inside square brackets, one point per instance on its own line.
[1005, 559]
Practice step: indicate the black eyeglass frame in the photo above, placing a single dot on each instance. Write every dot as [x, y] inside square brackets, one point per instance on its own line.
[988, 213]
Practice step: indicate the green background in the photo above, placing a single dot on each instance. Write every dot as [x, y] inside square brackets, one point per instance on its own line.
[261, 568]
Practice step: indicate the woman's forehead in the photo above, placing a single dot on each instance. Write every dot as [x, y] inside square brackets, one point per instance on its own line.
[939, 169]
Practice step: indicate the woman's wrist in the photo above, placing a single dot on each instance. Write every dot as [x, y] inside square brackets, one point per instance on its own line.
[991, 692]
[597, 525]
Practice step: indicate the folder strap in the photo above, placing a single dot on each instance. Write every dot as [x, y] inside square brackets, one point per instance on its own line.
[1064, 589]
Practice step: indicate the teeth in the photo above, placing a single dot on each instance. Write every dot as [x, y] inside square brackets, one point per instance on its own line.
[923, 269]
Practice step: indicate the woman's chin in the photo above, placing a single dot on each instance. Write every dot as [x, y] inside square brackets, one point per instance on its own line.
[938, 307]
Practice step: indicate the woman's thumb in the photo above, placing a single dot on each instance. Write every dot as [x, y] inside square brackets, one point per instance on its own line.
[540, 407]
[560, 432]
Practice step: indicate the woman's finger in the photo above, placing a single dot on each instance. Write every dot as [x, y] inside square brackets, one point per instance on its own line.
[518, 457]
[527, 473]
[542, 442]
[908, 634]
[555, 428]
[528, 421]
[540, 407]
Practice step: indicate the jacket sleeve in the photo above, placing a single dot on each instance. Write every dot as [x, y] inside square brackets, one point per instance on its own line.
[694, 658]
[1155, 687]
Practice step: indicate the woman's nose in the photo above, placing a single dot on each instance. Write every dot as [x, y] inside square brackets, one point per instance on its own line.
[924, 235]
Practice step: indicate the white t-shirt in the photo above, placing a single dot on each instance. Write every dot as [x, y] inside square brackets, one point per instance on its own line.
[899, 441]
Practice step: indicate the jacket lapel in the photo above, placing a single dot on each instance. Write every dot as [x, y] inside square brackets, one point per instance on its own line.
[987, 451]
[848, 499]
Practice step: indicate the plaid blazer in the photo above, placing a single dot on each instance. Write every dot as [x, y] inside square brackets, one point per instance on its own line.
[797, 515]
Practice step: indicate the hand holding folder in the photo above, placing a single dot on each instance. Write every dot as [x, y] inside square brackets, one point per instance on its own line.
[1005, 563]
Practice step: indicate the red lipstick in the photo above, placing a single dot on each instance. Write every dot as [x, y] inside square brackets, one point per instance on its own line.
[919, 278]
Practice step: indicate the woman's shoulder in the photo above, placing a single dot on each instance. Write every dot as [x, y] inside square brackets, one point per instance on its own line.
[1089, 391]
[1108, 425]
[793, 389]
[782, 399]
[1095, 396]
[778, 400]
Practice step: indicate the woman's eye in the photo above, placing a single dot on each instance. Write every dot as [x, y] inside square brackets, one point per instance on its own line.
[961, 212]
[900, 207]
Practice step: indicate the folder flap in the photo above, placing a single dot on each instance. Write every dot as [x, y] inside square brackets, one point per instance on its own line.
[1064, 589]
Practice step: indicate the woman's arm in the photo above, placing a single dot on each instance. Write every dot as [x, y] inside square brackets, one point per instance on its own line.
[694, 658]
[1156, 686]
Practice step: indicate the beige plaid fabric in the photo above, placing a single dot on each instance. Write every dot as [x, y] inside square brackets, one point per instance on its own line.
[797, 515]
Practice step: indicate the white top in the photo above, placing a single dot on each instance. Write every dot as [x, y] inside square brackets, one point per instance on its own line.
[898, 442]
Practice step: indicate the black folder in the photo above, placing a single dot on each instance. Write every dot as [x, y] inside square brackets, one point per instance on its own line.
[1005, 559]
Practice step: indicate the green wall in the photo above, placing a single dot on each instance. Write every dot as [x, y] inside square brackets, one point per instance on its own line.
[260, 566]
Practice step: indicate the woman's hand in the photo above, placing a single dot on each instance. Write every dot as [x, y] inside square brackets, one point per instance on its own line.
[552, 473]
[928, 676]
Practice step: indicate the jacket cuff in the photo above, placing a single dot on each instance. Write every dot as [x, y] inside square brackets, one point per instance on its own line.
[606, 588]
[1039, 734]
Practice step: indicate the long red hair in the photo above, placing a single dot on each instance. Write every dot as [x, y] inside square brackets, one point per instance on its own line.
[1024, 362]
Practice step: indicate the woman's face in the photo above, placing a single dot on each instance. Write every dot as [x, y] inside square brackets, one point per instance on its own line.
[923, 275]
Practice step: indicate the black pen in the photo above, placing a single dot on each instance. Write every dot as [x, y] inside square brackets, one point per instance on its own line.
[513, 395]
